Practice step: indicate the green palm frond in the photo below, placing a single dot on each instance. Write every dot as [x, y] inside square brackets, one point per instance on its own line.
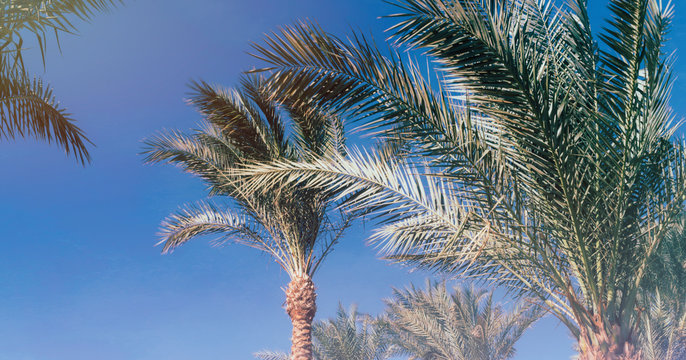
[464, 324]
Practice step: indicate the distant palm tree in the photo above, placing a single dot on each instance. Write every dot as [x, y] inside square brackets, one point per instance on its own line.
[435, 324]
[349, 336]
[539, 159]
[293, 224]
[352, 336]
[663, 326]
[27, 106]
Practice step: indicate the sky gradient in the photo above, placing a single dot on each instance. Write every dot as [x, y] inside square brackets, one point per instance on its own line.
[80, 277]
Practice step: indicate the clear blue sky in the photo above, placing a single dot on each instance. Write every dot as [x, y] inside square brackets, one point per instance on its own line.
[80, 278]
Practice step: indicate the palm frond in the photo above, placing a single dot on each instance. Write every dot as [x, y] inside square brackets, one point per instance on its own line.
[42, 18]
[204, 218]
[29, 108]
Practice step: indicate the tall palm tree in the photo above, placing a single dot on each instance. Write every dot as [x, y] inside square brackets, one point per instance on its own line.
[435, 324]
[539, 159]
[348, 336]
[293, 224]
[28, 106]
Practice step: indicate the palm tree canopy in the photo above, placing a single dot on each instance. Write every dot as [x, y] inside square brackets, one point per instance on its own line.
[547, 161]
[27, 105]
[436, 324]
[241, 127]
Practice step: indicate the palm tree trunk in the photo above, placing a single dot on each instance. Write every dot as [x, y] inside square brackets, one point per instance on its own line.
[301, 307]
[602, 344]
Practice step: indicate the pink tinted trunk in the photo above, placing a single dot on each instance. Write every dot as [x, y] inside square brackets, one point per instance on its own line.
[301, 307]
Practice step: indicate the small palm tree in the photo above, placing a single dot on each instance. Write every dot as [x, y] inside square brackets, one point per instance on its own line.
[540, 159]
[434, 324]
[27, 106]
[349, 336]
[663, 326]
[293, 224]
[352, 336]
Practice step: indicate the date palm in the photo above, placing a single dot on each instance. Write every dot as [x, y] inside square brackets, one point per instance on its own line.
[348, 336]
[28, 106]
[292, 224]
[436, 324]
[538, 159]
[663, 330]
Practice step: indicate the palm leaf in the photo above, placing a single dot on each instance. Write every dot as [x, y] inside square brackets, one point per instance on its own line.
[28, 108]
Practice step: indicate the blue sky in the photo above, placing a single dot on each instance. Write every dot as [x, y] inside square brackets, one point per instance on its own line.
[80, 277]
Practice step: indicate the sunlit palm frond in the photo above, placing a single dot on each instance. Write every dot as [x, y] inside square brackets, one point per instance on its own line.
[205, 218]
[383, 182]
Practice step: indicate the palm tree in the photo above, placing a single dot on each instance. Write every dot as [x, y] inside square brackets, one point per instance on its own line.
[539, 159]
[349, 336]
[28, 106]
[434, 324]
[292, 224]
[663, 328]
[352, 336]
[663, 320]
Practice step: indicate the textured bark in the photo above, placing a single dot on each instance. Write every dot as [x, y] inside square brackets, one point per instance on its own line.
[301, 307]
[602, 344]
